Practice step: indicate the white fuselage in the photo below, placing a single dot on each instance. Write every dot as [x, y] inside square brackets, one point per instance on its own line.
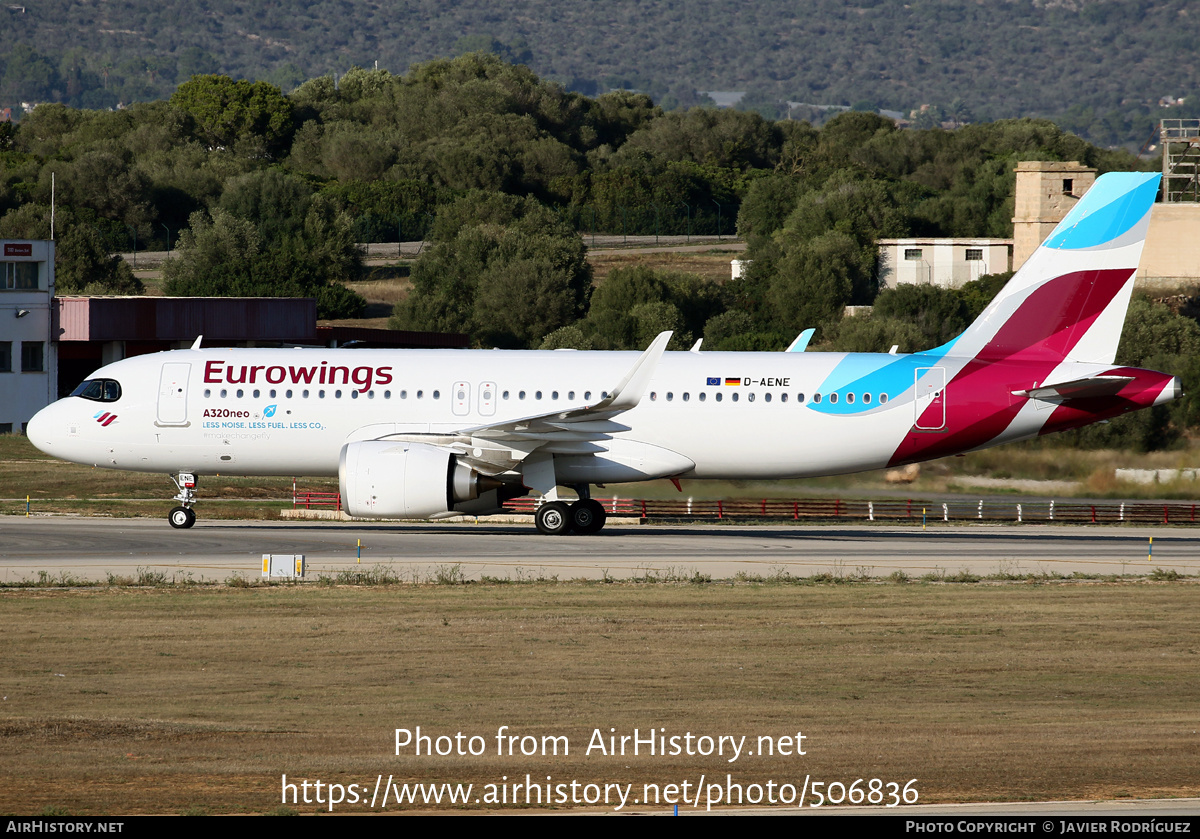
[703, 415]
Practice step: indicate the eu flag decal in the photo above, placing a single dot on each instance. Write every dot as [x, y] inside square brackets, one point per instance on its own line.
[713, 380]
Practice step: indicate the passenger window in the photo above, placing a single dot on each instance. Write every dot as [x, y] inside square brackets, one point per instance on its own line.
[224, 393]
[653, 396]
[866, 399]
[437, 394]
[735, 396]
[766, 397]
[849, 398]
[207, 393]
[702, 396]
[883, 397]
[750, 397]
[718, 396]
[816, 399]
[783, 397]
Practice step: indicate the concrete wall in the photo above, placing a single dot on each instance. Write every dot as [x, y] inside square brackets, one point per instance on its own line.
[1171, 257]
[943, 262]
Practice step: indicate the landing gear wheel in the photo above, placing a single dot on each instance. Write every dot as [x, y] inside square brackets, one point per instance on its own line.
[181, 517]
[587, 516]
[553, 519]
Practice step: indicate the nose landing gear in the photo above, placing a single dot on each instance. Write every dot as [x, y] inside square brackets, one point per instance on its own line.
[183, 516]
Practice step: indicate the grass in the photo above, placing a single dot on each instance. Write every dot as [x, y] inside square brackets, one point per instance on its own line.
[197, 699]
[713, 265]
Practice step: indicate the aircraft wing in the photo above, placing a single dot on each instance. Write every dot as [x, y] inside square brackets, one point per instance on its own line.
[1078, 388]
[498, 447]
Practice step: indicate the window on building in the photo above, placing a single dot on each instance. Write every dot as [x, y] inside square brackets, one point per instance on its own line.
[974, 254]
[5, 356]
[19, 276]
[32, 357]
[5, 428]
[1068, 186]
[912, 254]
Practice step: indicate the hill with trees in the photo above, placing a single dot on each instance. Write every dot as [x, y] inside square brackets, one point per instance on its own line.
[1098, 67]
[267, 193]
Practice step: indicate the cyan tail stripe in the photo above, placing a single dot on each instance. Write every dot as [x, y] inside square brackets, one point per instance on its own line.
[860, 373]
[1108, 210]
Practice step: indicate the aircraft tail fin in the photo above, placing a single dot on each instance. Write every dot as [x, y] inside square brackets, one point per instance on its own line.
[1068, 301]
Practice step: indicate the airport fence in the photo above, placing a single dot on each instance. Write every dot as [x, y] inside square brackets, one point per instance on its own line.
[907, 509]
[840, 509]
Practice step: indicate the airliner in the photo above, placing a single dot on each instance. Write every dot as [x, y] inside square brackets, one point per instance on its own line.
[414, 434]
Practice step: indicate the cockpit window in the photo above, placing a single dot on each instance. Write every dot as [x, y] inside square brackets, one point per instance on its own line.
[99, 390]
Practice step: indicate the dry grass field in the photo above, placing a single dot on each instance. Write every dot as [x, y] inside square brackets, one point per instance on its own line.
[711, 265]
[198, 699]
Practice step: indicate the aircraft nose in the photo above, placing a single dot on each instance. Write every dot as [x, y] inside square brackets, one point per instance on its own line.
[39, 429]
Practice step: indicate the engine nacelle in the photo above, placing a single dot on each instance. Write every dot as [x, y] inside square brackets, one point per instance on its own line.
[386, 480]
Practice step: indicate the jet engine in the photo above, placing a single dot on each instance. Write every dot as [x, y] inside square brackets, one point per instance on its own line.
[391, 480]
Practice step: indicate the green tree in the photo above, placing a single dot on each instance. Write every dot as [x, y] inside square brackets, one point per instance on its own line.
[226, 256]
[873, 333]
[253, 115]
[82, 265]
[815, 282]
[509, 283]
[938, 314]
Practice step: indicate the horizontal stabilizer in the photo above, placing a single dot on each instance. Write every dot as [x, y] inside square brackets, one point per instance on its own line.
[1078, 388]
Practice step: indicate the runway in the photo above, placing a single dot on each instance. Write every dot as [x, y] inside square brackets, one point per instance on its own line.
[215, 550]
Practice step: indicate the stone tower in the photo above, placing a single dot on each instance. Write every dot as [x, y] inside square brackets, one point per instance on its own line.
[1046, 192]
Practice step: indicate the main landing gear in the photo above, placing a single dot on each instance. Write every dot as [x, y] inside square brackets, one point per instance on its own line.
[555, 518]
[183, 516]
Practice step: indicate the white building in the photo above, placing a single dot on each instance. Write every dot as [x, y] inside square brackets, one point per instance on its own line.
[948, 263]
[27, 354]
